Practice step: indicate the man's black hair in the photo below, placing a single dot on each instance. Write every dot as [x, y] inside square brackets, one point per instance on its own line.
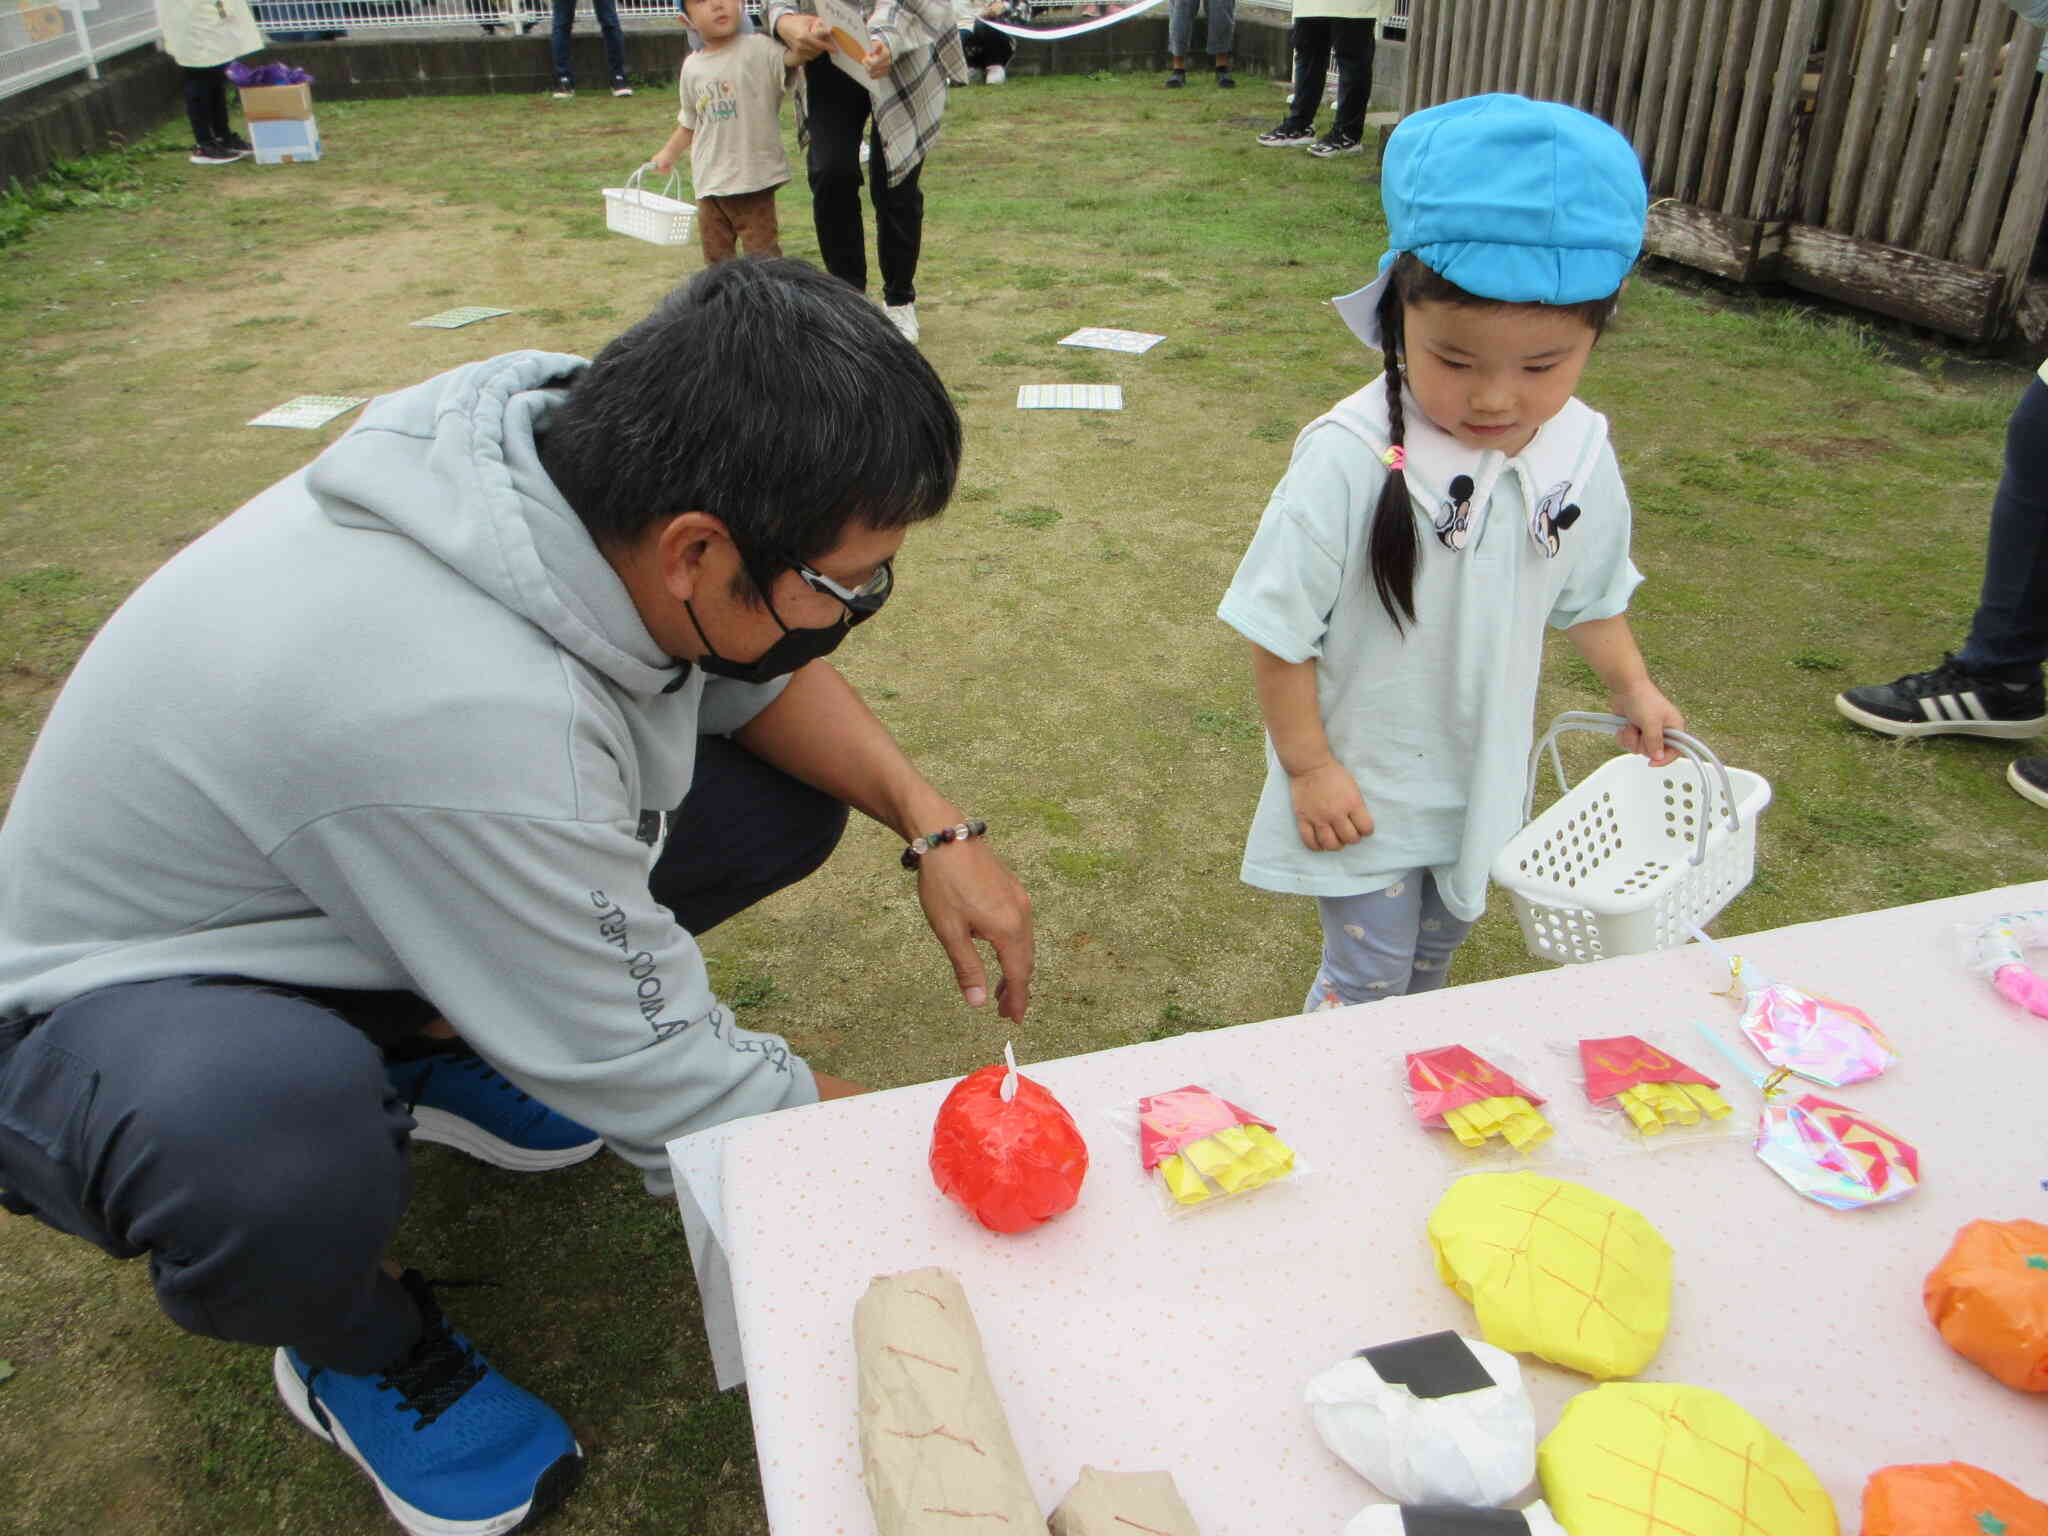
[769, 395]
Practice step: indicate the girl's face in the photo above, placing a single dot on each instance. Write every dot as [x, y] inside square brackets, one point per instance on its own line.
[1490, 377]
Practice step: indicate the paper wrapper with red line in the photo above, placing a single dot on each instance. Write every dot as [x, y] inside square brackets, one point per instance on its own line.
[1652, 1087]
[1202, 1146]
[1454, 1088]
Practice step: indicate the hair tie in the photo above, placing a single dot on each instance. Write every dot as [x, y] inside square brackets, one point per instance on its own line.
[1395, 458]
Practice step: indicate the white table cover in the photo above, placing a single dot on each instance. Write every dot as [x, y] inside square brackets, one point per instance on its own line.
[1123, 1338]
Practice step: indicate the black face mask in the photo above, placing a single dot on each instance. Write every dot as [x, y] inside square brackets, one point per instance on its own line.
[793, 650]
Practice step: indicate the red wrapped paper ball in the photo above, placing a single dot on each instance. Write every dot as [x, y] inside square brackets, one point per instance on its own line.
[1012, 1163]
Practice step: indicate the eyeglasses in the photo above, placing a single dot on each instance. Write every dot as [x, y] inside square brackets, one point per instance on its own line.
[862, 600]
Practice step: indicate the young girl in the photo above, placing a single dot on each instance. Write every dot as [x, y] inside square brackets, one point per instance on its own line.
[1429, 526]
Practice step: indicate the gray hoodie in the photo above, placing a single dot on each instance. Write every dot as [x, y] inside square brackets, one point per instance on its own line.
[397, 724]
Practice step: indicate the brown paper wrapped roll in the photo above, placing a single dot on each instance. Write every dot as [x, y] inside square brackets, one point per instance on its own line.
[1123, 1504]
[935, 1448]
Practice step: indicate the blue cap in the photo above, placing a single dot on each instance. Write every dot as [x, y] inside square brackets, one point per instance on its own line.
[1527, 202]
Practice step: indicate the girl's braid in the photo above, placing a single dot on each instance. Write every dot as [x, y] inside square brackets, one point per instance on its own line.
[1391, 547]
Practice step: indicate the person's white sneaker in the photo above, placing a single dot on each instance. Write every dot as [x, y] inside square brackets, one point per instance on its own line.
[904, 318]
[997, 74]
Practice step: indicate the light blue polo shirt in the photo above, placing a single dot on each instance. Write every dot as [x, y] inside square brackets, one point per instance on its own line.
[1436, 725]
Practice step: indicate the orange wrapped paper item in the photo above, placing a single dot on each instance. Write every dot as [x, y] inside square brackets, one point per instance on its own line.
[1947, 1498]
[1989, 1298]
[1007, 1150]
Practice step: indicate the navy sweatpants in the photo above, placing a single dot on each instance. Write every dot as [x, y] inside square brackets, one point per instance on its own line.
[244, 1136]
[2009, 634]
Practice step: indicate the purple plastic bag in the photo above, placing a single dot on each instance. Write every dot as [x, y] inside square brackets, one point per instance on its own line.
[240, 74]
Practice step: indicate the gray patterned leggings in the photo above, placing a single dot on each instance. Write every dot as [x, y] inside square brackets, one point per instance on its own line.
[1386, 943]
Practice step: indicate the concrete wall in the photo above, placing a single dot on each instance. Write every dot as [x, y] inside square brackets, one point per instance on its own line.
[136, 92]
[141, 90]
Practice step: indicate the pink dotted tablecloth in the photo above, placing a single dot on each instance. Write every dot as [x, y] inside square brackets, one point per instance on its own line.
[1122, 1338]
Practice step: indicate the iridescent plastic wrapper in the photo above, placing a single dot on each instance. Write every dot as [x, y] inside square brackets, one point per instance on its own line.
[1996, 951]
[1821, 1040]
[1828, 1152]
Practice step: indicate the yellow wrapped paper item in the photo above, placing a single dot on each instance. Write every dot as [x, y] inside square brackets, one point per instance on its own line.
[1555, 1269]
[1644, 1456]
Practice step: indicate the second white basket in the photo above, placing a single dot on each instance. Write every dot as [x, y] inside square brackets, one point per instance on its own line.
[655, 217]
[1633, 858]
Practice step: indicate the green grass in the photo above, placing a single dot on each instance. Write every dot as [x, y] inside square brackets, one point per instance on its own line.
[1810, 503]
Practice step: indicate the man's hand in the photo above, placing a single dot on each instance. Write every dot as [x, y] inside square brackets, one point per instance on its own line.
[804, 36]
[1329, 812]
[877, 61]
[969, 894]
[835, 1087]
[1649, 715]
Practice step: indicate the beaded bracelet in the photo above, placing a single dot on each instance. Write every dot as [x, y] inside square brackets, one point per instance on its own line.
[914, 854]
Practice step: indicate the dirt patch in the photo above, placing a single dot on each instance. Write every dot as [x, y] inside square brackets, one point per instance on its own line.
[1829, 450]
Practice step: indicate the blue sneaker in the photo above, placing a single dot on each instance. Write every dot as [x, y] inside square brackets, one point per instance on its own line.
[462, 1101]
[454, 1448]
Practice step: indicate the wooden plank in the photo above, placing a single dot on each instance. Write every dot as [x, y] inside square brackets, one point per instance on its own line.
[2001, 148]
[1680, 64]
[1564, 22]
[1699, 106]
[1901, 91]
[2012, 253]
[1943, 213]
[1487, 43]
[1956, 300]
[1588, 33]
[1704, 238]
[1614, 23]
[1774, 190]
[1629, 78]
[1837, 76]
[1532, 51]
[1720, 142]
[1932, 131]
[1468, 31]
[1414, 57]
[1853, 152]
[1656, 77]
[1756, 96]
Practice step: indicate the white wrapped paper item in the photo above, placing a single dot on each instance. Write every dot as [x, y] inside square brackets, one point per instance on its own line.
[1122, 1504]
[1449, 1520]
[1434, 1420]
[934, 1445]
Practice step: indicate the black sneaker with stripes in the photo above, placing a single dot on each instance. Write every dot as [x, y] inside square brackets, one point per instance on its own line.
[1948, 701]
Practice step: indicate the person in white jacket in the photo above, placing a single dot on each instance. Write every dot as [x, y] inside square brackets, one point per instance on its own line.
[474, 724]
[204, 37]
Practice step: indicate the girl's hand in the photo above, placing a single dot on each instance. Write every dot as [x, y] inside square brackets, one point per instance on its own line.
[1329, 812]
[1649, 715]
[663, 161]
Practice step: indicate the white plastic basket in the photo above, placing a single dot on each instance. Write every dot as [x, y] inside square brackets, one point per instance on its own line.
[1625, 863]
[656, 217]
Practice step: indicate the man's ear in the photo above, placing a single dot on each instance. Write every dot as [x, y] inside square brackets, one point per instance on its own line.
[682, 549]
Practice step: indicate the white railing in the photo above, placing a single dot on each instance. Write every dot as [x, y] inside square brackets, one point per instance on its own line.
[47, 42]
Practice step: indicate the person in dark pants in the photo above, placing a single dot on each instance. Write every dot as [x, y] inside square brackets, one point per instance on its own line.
[1349, 29]
[204, 38]
[1992, 686]
[607, 13]
[914, 55]
[391, 809]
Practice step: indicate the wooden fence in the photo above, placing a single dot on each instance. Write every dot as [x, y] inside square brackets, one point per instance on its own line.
[1889, 153]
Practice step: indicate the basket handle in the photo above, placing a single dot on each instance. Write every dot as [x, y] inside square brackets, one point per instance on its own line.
[1700, 754]
[669, 188]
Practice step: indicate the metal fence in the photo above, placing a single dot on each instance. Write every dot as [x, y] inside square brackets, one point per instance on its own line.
[48, 42]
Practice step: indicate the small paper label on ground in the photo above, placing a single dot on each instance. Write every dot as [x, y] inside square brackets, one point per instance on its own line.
[1070, 397]
[468, 314]
[1112, 341]
[309, 411]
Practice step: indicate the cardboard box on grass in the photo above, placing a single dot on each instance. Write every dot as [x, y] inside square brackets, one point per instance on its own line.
[289, 142]
[277, 103]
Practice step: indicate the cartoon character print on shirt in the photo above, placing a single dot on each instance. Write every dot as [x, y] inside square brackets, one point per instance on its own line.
[1552, 517]
[716, 101]
[1454, 520]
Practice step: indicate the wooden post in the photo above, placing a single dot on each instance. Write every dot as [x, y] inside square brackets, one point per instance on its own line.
[1715, 28]
[2001, 148]
[2013, 252]
[1969, 127]
[1720, 145]
[1837, 76]
[1774, 191]
[1615, 22]
[1629, 79]
[1756, 94]
[1530, 58]
[1902, 88]
[1853, 154]
[1933, 131]
[1656, 74]
[1587, 37]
